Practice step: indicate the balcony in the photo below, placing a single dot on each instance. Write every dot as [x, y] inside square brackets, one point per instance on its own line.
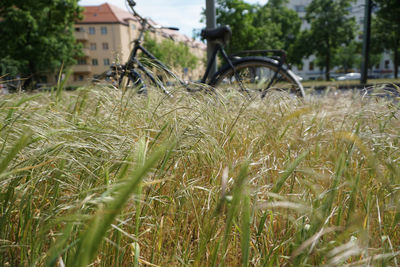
[81, 36]
[82, 69]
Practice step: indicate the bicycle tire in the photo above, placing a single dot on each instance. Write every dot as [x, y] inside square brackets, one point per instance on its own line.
[255, 74]
[132, 79]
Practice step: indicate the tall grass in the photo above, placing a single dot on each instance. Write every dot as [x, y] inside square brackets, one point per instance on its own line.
[105, 178]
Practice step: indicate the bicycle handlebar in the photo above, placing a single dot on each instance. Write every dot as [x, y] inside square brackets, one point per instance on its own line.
[132, 4]
[157, 27]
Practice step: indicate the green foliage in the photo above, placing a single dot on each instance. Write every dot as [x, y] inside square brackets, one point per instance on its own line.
[272, 26]
[9, 66]
[386, 29]
[330, 28]
[348, 56]
[174, 54]
[239, 16]
[376, 45]
[39, 35]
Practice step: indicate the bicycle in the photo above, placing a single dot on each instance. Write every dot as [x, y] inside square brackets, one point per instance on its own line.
[249, 74]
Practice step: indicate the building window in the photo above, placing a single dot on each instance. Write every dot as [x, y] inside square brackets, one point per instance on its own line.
[106, 62]
[78, 77]
[92, 30]
[82, 61]
[93, 46]
[105, 46]
[311, 66]
[103, 30]
[300, 67]
[133, 27]
[387, 62]
[95, 62]
[300, 8]
[79, 29]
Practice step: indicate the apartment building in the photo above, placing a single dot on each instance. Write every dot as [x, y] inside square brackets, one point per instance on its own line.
[106, 34]
[309, 69]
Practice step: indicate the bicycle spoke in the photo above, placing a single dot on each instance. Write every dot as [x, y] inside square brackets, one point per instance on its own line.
[257, 76]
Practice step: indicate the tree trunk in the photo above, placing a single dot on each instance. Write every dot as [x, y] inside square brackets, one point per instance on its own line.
[328, 66]
[328, 61]
[396, 63]
[31, 81]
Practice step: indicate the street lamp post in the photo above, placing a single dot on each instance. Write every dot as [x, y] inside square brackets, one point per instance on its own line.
[211, 23]
[366, 41]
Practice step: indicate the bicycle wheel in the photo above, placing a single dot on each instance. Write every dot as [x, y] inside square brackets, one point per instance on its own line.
[257, 76]
[132, 79]
[110, 77]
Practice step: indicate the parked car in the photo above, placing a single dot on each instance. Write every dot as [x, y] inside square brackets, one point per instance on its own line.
[298, 77]
[349, 76]
[3, 88]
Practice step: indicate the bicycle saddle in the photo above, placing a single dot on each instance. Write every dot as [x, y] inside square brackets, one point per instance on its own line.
[223, 33]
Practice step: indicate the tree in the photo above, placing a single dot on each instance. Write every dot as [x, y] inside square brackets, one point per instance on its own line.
[386, 28]
[240, 17]
[376, 48]
[348, 56]
[9, 67]
[40, 35]
[272, 26]
[286, 25]
[174, 54]
[330, 27]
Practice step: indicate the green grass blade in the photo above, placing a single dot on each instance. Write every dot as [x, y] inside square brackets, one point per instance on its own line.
[11, 111]
[92, 238]
[245, 235]
[235, 204]
[329, 200]
[289, 170]
[18, 146]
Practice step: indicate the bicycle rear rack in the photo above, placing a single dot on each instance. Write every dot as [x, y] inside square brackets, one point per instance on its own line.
[277, 54]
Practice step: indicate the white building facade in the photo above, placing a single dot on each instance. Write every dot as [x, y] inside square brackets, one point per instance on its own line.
[310, 71]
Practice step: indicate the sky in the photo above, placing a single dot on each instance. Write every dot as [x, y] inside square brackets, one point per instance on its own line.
[184, 14]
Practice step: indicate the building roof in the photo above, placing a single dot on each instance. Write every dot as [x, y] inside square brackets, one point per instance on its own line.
[105, 13]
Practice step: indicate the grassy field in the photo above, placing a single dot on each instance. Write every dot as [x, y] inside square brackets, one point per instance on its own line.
[97, 177]
[348, 83]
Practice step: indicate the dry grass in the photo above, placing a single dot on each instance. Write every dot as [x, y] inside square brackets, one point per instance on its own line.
[348, 82]
[97, 176]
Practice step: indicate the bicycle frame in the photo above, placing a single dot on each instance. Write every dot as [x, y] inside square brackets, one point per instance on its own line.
[219, 48]
[133, 60]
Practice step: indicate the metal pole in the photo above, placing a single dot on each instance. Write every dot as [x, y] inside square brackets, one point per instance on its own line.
[211, 24]
[366, 41]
